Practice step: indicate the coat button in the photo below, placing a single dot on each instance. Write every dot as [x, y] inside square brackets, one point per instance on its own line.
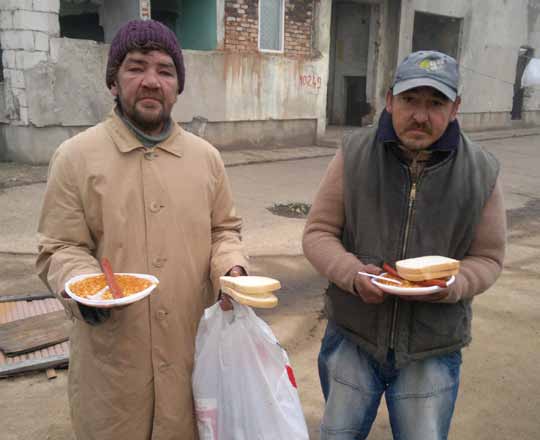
[150, 155]
[155, 207]
[163, 366]
[159, 262]
[162, 314]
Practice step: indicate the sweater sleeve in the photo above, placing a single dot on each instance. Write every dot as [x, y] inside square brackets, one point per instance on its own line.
[324, 227]
[484, 262]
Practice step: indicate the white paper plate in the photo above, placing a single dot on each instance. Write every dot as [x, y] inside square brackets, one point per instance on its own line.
[96, 301]
[396, 290]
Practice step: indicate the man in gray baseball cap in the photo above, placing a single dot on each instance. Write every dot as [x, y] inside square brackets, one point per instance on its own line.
[413, 186]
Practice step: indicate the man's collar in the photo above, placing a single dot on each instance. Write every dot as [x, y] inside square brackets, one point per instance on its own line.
[448, 141]
[125, 140]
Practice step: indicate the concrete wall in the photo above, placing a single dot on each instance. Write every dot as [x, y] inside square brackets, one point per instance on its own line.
[69, 90]
[115, 13]
[234, 94]
[224, 86]
[493, 31]
[385, 49]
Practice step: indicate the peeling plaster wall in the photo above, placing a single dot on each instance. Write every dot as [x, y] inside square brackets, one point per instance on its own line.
[246, 87]
[493, 31]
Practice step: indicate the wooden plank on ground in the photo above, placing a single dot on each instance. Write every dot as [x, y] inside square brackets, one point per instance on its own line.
[33, 364]
[25, 296]
[30, 334]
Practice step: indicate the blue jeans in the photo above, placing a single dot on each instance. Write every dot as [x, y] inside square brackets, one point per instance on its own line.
[420, 396]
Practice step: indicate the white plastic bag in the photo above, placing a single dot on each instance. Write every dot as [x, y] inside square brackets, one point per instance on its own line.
[243, 384]
[531, 75]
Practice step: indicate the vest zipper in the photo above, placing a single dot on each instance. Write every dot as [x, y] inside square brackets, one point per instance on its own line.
[412, 198]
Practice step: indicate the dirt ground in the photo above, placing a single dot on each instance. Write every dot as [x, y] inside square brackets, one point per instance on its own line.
[498, 398]
[499, 371]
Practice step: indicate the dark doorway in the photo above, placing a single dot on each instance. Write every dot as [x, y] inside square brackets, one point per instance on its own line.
[349, 51]
[525, 54]
[357, 107]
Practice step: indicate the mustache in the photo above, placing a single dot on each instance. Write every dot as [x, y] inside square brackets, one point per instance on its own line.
[157, 97]
[421, 127]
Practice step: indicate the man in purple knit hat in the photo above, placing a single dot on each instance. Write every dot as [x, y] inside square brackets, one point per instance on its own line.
[154, 199]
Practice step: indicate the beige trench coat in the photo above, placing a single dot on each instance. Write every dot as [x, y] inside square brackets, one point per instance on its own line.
[168, 213]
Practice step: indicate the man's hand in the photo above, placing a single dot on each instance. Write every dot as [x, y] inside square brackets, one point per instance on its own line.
[365, 289]
[94, 315]
[224, 299]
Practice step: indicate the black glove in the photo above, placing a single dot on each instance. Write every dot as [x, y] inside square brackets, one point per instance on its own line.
[94, 315]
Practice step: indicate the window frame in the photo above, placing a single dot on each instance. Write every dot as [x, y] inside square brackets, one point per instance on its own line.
[282, 50]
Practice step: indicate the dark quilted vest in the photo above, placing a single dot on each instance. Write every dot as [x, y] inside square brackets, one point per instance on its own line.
[450, 197]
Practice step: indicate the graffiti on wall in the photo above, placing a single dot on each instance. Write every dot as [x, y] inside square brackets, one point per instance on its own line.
[310, 82]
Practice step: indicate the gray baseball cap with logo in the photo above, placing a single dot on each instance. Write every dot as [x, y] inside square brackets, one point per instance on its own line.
[428, 68]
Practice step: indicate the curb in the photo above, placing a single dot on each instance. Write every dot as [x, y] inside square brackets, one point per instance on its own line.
[326, 148]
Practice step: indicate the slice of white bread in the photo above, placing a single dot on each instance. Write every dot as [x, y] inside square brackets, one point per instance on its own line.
[251, 284]
[266, 301]
[427, 275]
[428, 267]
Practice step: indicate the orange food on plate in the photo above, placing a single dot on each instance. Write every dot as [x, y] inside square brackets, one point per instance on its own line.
[92, 285]
[404, 283]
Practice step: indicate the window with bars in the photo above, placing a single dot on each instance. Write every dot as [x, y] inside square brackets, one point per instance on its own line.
[271, 20]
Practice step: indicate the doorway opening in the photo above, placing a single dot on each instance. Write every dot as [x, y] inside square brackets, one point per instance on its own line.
[348, 98]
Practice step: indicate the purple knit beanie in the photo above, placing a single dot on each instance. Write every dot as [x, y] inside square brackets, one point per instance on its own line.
[137, 34]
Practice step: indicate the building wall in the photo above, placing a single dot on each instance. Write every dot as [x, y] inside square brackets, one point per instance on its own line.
[234, 98]
[114, 13]
[25, 29]
[493, 31]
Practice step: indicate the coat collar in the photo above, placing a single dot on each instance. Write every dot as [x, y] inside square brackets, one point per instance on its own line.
[449, 141]
[126, 141]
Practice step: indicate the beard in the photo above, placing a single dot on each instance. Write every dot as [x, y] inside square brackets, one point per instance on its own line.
[414, 142]
[148, 120]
